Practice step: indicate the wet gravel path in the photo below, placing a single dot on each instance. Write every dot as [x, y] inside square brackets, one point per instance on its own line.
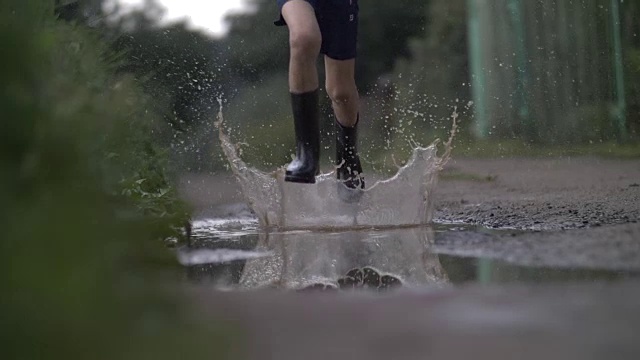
[528, 194]
[575, 213]
[539, 194]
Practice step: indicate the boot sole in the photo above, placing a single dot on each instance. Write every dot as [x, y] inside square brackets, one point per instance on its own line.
[300, 179]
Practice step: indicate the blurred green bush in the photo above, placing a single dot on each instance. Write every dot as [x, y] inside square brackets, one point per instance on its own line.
[69, 118]
[85, 199]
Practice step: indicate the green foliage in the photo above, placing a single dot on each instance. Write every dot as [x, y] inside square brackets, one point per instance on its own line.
[255, 46]
[84, 201]
[632, 83]
[181, 71]
[435, 80]
[120, 133]
[385, 30]
[177, 67]
[259, 120]
[426, 87]
[630, 28]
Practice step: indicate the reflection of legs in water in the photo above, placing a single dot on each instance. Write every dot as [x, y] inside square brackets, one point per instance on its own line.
[267, 272]
[352, 260]
[368, 278]
[222, 275]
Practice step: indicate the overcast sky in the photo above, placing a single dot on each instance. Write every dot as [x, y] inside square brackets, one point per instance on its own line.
[205, 15]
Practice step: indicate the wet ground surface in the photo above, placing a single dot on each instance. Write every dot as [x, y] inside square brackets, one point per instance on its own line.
[534, 194]
[540, 194]
[583, 321]
[527, 258]
[236, 255]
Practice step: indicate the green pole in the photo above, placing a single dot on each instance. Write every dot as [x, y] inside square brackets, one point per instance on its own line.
[485, 271]
[478, 80]
[621, 106]
[522, 69]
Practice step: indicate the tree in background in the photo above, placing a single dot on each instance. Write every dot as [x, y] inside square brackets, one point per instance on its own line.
[386, 29]
[415, 48]
[434, 80]
[181, 70]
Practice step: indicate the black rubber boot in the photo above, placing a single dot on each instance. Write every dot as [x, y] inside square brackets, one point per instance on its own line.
[350, 170]
[305, 167]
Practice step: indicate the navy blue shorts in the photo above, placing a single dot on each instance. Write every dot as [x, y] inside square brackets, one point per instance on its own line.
[338, 20]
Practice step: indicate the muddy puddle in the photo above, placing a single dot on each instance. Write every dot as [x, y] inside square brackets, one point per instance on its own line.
[317, 237]
[235, 254]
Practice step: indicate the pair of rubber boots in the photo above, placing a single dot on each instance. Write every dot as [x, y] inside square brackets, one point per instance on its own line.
[305, 166]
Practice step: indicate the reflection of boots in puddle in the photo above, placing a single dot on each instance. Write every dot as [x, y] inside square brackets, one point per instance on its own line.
[318, 287]
[368, 278]
[346, 261]
[359, 278]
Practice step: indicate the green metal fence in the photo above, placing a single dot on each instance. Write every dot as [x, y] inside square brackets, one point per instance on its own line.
[547, 70]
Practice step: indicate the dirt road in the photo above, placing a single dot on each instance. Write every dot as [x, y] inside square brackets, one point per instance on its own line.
[533, 194]
[588, 214]
[540, 194]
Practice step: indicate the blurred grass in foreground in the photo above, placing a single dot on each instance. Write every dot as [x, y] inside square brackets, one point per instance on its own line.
[85, 201]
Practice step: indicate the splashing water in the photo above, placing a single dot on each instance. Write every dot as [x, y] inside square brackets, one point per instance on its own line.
[208, 256]
[405, 199]
[302, 258]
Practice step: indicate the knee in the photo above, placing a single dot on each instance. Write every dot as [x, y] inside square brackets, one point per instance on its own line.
[305, 45]
[341, 95]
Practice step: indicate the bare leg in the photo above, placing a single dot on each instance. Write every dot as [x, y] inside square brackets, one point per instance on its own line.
[304, 42]
[341, 87]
